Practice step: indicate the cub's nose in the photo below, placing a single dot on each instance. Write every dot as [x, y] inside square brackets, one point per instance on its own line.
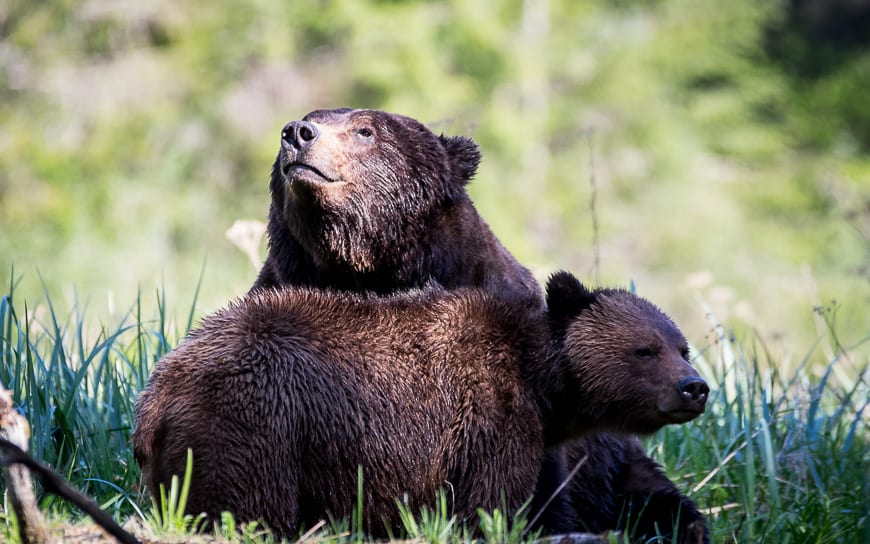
[299, 135]
[694, 391]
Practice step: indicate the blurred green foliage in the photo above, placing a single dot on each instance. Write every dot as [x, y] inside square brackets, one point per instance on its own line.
[728, 143]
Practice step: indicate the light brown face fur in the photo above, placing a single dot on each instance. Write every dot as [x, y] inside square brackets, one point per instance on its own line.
[331, 157]
[351, 184]
[324, 148]
[320, 156]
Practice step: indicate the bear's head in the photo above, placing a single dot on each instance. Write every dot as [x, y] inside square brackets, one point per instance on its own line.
[352, 187]
[626, 358]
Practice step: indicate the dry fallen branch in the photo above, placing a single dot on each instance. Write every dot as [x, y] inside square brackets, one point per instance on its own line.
[19, 467]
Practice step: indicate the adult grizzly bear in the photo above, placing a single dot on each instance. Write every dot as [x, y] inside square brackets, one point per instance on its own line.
[285, 393]
[365, 200]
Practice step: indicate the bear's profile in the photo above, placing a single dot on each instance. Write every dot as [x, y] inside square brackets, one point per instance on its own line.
[364, 200]
[285, 393]
[370, 201]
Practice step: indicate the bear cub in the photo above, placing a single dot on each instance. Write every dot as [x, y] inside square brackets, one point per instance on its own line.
[285, 393]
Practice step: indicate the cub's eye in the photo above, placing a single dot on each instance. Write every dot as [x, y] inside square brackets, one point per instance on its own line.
[644, 353]
[685, 353]
[365, 133]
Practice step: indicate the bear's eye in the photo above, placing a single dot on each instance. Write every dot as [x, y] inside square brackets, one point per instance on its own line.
[685, 353]
[644, 353]
[365, 133]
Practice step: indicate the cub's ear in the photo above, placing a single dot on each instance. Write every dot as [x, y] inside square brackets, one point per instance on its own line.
[566, 298]
[464, 155]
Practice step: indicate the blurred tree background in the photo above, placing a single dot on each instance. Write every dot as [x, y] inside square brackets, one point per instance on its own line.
[706, 150]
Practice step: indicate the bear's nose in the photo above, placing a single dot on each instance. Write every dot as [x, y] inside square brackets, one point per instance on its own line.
[299, 134]
[693, 389]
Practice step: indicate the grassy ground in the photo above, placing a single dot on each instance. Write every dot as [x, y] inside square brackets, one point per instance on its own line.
[782, 454]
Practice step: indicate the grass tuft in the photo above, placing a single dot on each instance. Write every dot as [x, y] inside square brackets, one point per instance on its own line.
[435, 524]
[779, 456]
[167, 514]
[502, 526]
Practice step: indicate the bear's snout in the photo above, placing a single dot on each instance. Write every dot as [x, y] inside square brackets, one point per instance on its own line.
[683, 396]
[300, 159]
[693, 391]
[299, 135]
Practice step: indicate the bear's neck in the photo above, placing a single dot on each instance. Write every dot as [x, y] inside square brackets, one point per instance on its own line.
[567, 411]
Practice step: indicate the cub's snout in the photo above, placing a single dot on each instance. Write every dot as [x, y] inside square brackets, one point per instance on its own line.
[694, 393]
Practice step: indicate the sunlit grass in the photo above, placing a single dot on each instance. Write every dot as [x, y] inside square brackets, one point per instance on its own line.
[76, 382]
[782, 454]
[779, 456]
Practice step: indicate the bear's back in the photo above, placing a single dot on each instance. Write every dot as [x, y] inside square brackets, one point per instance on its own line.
[278, 380]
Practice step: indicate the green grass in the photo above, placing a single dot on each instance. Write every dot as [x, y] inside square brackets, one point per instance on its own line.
[782, 455]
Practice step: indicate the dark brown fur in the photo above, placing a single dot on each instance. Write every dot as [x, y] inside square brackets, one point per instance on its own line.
[618, 486]
[283, 394]
[398, 217]
[381, 213]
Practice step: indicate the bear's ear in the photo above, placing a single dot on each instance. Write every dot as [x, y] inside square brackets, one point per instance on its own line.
[464, 156]
[566, 298]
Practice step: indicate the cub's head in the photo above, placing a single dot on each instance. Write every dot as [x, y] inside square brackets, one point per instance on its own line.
[627, 358]
[351, 186]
